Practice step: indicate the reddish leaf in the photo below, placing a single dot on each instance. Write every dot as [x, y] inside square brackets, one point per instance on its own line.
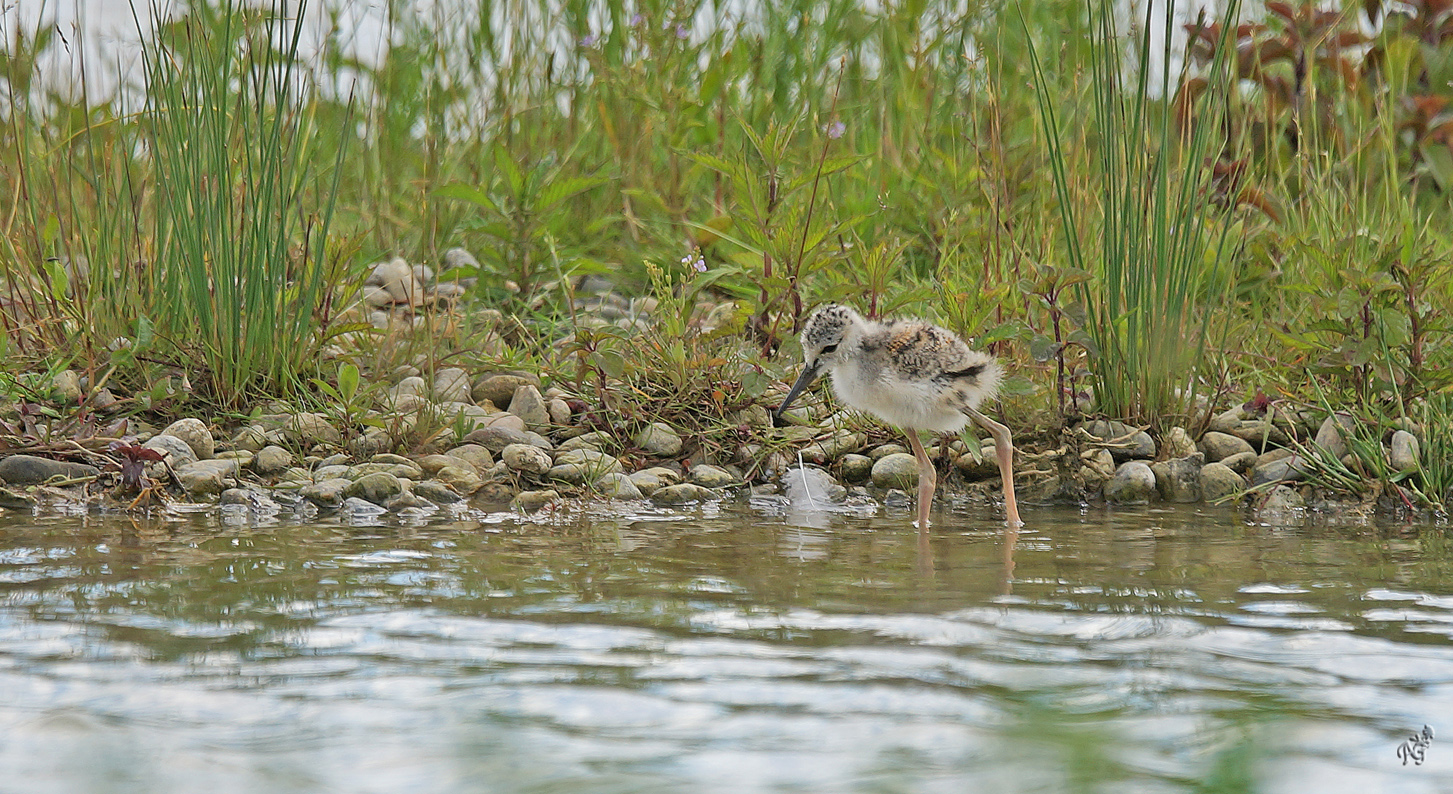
[1282, 10]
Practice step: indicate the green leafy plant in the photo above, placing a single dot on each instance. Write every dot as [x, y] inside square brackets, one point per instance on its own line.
[524, 212]
[784, 238]
[350, 402]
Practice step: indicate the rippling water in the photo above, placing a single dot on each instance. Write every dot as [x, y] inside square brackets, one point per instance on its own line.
[741, 648]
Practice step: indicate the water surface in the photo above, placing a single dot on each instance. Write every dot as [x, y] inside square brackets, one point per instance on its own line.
[741, 647]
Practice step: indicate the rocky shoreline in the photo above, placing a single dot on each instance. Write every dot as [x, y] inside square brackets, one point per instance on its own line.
[502, 442]
[500, 439]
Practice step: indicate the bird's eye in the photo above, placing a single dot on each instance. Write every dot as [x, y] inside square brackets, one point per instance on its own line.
[829, 348]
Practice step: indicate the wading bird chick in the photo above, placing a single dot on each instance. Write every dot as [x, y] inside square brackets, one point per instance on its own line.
[909, 373]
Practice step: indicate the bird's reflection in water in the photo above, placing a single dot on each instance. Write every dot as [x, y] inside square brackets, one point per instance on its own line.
[1006, 559]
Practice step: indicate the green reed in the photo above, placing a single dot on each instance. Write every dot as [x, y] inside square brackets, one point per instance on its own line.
[239, 266]
[1152, 238]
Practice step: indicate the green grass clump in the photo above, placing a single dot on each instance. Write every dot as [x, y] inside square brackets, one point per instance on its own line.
[240, 276]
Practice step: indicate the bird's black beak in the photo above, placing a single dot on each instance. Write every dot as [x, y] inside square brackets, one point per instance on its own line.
[809, 374]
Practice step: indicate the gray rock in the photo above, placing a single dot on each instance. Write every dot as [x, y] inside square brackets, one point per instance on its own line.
[462, 414]
[658, 439]
[618, 486]
[495, 439]
[377, 487]
[377, 297]
[1100, 463]
[1178, 444]
[17, 500]
[104, 400]
[30, 470]
[757, 417]
[809, 485]
[1179, 480]
[334, 471]
[560, 412]
[1241, 462]
[712, 477]
[1403, 453]
[1282, 499]
[205, 477]
[1404, 423]
[254, 501]
[981, 467]
[855, 467]
[1259, 431]
[436, 492]
[244, 458]
[458, 257]
[1329, 435]
[312, 428]
[1219, 482]
[476, 455]
[526, 458]
[412, 386]
[431, 464]
[463, 479]
[451, 385]
[898, 470]
[897, 497]
[1123, 441]
[251, 438]
[1133, 483]
[531, 501]
[179, 452]
[1220, 446]
[403, 406]
[325, 493]
[500, 389]
[67, 386]
[357, 507]
[595, 440]
[295, 477]
[408, 500]
[593, 464]
[399, 279]
[529, 406]
[884, 450]
[1281, 469]
[406, 470]
[798, 415]
[507, 421]
[834, 446]
[684, 493]
[669, 476]
[570, 473]
[373, 441]
[647, 482]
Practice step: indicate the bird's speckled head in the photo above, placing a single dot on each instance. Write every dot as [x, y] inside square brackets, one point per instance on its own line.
[824, 331]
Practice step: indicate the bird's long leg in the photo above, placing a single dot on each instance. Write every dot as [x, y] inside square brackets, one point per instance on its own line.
[927, 479]
[1004, 451]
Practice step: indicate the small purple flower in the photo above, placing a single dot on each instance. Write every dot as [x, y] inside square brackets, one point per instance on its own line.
[836, 129]
[695, 260]
[589, 41]
[681, 31]
[636, 20]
